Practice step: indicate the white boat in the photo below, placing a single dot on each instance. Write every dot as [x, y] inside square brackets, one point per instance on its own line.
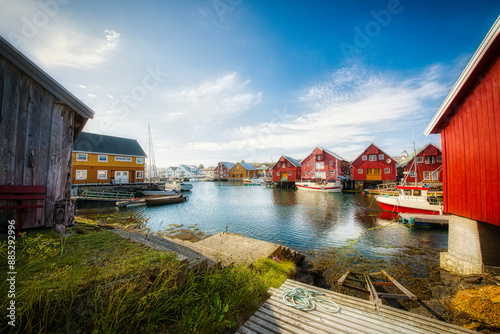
[159, 192]
[186, 187]
[325, 186]
[253, 182]
[411, 200]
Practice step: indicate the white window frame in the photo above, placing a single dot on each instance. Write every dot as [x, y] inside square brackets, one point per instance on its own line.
[289, 173]
[102, 155]
[139, 160]
[78, 171]
[331, 162]
[435, 176]
[372, 157]
[387, 170]
[364, 157]
[81, 157]
[381, 156]
[123, 159]
[360, 171]
[277, 173]
[308, 164]
[105, 175]
[412, 173]
[137, 174]
[420, 160]
[439, 159]
[427, 175]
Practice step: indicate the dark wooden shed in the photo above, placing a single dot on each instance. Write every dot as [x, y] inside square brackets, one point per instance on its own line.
[39, 121]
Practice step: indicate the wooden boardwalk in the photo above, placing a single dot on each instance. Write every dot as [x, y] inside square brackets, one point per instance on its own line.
[423, 218]
[355, 316]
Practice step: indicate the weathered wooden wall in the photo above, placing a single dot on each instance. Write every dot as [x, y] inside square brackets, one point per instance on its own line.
[37, 138]
[471, 146]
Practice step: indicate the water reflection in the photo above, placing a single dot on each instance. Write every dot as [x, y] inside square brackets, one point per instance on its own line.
[299, 219]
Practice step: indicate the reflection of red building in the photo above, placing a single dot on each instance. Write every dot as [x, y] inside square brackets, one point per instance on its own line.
[221, 172]
[428, 164]
[374, 165]
[286, 170]
[323, 164]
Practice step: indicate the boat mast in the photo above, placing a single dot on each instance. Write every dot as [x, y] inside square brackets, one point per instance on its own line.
[415, 160]
[152, 162]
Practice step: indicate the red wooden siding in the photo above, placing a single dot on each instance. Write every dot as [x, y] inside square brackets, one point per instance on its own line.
[333, 166]
[381, 164]
[471, 143]
[422, 167]
[289, 169]
[221, 171]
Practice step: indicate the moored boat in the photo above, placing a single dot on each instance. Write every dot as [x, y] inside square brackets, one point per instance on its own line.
[411, 200]
[163, 200]
[159, 192]
[323, 186]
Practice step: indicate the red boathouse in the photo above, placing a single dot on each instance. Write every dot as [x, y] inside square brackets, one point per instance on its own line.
[221, 172]
[323, 164]
[428, 165]
[469, 123]
[286, 170]
[373, 164]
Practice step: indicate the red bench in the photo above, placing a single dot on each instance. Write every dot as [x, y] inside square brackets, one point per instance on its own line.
[21, 198]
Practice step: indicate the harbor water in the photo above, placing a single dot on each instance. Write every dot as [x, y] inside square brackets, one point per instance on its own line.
[302, 220]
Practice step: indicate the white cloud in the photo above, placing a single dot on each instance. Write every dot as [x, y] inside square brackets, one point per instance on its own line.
[213, 100]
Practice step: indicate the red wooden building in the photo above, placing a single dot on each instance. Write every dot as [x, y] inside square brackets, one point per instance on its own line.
[221, 172]
[286, 170]
[469, 124]
[373, 164]
[323, 164]
[428, 165]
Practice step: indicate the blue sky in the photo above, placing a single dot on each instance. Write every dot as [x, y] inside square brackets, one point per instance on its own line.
[232, 80]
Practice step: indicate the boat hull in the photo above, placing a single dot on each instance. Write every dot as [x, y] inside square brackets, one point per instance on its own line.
[164, 200]
[395, 204]
[331, 187]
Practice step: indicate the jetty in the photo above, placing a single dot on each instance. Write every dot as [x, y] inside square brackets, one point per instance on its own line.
[415, 218]
[355, 316]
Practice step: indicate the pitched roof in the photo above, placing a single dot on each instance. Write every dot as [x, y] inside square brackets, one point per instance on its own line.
[329, 152]
[191, 169]
[480, 60]
[378, 149]
[228, 165]
[410, 156]
[294, 162]
[173, 168]
[36, 73]
[247, 166]
[96, 143]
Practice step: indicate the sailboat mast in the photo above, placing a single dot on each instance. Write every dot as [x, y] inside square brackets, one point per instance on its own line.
[415, 161]
[152, 162]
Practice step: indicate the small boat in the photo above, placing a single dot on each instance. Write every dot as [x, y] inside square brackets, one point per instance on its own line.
[163, 200]
[186, 187]
[324, 186]
[411, 200]
[159, 192]
[254, 182]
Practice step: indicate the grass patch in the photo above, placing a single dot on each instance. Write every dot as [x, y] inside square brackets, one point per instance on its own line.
[97, 282]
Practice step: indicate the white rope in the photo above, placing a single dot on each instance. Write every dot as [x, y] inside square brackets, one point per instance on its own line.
[304, 300]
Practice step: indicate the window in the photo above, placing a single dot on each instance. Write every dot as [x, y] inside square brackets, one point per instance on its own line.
[102, 158]
[102, 174]
[139, 174]
[139, 160]
[278, 174]
[387, 170]
[289, 173]
[127, 159]
[381, 156]
[288, 164]
[427, 175]
[308, 164]
[430, 159]
[439, 158]
[360, 170]
[373, 157]
[81, 157]
[331, 162]
[363, 157]
[435, 176]
[283, 165]
[81, 174]
[412, 173]
[318, 157]
[420, 160]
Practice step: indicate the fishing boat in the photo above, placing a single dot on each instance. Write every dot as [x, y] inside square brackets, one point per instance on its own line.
[411, 200]
[159, 192]
[163, 200]
[329, 186]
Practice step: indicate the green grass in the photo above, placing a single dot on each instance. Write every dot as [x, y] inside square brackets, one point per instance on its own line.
[97, 282]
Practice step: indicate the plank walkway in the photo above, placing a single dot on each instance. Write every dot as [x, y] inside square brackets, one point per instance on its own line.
[355, 316]
[423, 218]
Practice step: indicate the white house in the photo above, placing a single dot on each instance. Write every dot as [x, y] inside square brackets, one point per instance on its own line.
[187, 172]
[170, 172]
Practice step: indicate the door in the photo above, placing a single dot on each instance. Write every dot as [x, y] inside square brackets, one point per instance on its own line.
[284, 176]
[121, 177]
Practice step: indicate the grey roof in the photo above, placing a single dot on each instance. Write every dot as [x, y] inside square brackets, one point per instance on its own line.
[173, 168]
[36, 73]
[248, 166]
[378, 149]
[191, 169]
[96, 143]
[294, 162]
[228, 165]
[410, 157]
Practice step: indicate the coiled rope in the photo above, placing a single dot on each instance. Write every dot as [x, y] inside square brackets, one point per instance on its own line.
[304, 300]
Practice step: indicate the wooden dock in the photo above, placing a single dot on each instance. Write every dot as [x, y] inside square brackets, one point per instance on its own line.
[413, 218]
[355, 316]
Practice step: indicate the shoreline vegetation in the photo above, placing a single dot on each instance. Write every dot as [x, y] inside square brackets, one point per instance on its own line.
[96, 281]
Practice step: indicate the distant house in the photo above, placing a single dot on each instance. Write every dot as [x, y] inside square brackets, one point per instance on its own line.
[469, 123]
[243, 170]
[221, 171]
[286, 170]
[208, 172]
[107, 159]
[323, 164]
[170, 172]
[373, 164]
[268, 173]
[427, 165]
[187, 172]
[39, 121]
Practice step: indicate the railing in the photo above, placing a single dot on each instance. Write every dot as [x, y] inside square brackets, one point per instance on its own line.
[103, 194]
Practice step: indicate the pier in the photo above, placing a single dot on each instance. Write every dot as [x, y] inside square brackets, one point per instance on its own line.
[415, 218]
[355, 316]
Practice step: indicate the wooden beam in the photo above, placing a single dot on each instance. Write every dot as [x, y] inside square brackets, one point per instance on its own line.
[400, 287]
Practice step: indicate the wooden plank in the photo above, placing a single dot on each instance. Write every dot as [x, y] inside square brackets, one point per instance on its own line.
[495, 83]
[266, 327]
[399, 286]
[476, 171]
[343, 278]
[493, 199]
[10, 105]
[373, 293]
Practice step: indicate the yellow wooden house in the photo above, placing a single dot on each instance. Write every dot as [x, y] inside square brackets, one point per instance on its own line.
[242, 170]
[101, 159]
